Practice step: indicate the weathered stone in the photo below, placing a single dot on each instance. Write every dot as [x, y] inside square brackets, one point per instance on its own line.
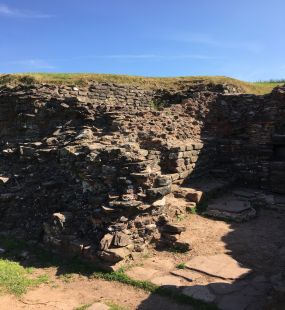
[106, 241]
[159, 192]
[163, 180]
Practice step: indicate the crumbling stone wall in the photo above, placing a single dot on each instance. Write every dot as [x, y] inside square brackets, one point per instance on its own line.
[88, 168]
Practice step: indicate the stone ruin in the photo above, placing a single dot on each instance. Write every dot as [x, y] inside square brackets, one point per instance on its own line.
[87, 170]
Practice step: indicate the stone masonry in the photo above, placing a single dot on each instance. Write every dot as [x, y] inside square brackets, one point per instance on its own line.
[86, 169]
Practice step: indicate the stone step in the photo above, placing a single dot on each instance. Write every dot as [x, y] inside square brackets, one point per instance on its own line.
[202, 189]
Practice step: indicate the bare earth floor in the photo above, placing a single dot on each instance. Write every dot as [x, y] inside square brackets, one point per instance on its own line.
[255, 251]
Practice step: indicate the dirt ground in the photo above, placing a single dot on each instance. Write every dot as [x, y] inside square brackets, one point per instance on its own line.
[80, 291]
[258, 244]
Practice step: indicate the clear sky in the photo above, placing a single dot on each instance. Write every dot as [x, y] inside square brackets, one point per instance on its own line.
[244, 39]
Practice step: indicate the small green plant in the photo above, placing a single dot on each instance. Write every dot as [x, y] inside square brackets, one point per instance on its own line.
[181, 266]
[180, 217]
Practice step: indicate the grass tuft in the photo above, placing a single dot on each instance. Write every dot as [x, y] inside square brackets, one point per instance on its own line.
[181, 266]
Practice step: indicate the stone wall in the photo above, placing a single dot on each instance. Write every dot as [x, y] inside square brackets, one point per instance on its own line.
[88, 168]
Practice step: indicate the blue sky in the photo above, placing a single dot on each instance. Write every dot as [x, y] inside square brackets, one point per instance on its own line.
[244, 39]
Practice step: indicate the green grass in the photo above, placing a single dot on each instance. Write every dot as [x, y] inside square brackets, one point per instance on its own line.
[261, 88]
[15, 279]
[174, 83]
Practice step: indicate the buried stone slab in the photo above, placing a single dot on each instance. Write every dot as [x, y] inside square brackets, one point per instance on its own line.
[230, 208]
[220, 265]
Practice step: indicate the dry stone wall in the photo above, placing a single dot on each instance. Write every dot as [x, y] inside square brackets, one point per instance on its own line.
[87, 169]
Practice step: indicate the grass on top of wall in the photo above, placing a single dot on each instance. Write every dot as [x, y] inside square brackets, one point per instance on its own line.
[144, 82]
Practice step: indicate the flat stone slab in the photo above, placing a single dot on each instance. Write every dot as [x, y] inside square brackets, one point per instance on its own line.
[167, 280]
[142, 273]
[221, 266]
[200, 292]
[233, 206]
[229, 207]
